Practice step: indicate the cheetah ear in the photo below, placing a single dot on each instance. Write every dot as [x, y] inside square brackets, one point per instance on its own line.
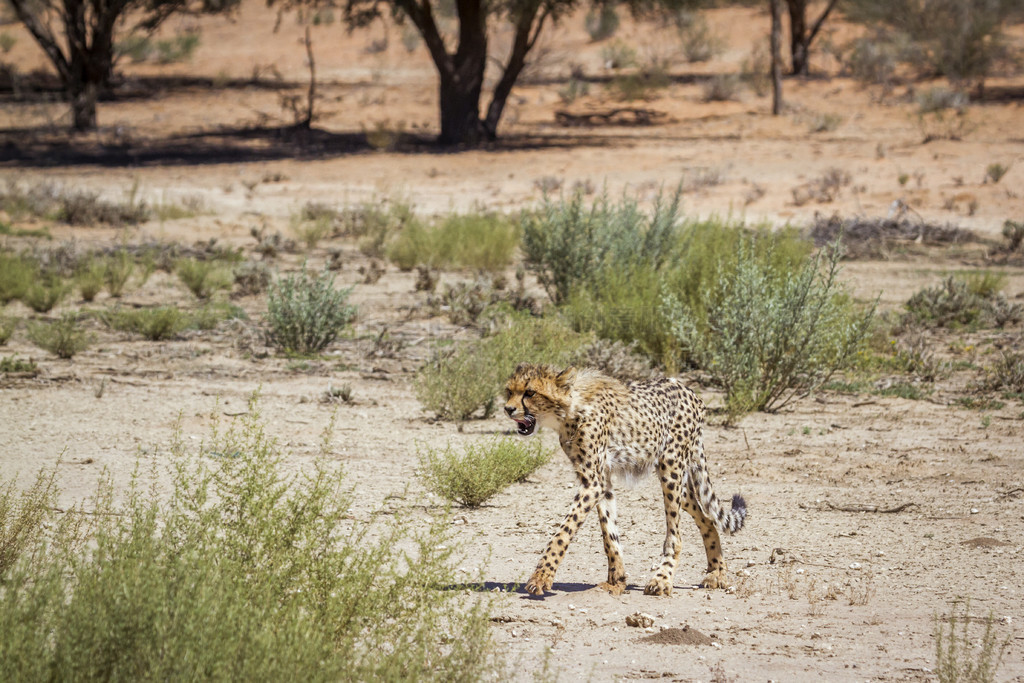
[566, 378]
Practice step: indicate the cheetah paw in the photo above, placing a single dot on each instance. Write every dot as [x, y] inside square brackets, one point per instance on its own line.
[716, 578]
[539, 583]
[659, 585]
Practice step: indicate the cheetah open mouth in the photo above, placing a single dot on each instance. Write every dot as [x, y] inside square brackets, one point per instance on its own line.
[527, 425]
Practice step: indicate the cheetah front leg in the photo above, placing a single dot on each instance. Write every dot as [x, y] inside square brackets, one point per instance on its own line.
[616, 583]
[590, 493]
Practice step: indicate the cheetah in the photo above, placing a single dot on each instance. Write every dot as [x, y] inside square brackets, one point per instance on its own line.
[632, 429]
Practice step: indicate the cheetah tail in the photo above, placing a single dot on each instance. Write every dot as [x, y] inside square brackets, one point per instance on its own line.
[732, 521]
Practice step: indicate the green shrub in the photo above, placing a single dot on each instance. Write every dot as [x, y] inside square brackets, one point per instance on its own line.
[117, 268]
[136, 47]
[1006, 373]
[310, 231]
[87, 209]
[203, 278]
[700, 43]
[155, 324]
[22, 516]
[213, 313]
[180, 48]
[472, 477]
[7, 326]
[375, 223]
[15, 364]
[17, 273]
[63, 338]
[242, 572]
[969, 300]
[770, 336]
[306, 313]
[252, 277]
[42, 296]
[90, 279]
[480, 241]
[463, 381]
[960, 658]
[643, 84]
[566, 242]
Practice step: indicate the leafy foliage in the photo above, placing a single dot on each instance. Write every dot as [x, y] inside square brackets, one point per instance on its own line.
[481, 241]
[244, 573]
[963, 301]
[770, 337]
[64, 337]
[482, 470]
[306, 313]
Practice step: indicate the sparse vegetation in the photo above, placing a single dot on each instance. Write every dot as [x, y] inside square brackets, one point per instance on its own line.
[722, 87]
[64, 337]
[246, 572]
[117, 268]
[994, 172]
[306, 313]
[601, 22]
[203, 278]
[964, 301]
[463, 381]
[155, 324]
[7, 326]
[15, 364]
[960, 658]
[481, 470]
[45, 293]
[771, 336]
[699, 42]
[17, 274]
[481, 241]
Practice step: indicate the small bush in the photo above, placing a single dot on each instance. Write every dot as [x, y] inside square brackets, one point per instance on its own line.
[155, 324]
[996, 171]
[566, 242]
[42, 296]
[958, 657]
[306, 313]
[15, 364]
[1014, 234]
[464, 381]
[616, 359]
[481, 241]
[601, 22]
[63, 338]
[203, 278]
[618, 55]
[180, 48]
[243, 571]
[722, 88]
[90, 279]
[772, 336]
[7, 326]
[641, 85]
[251, 278]
[17, 274]
[117, 268]
[472, 477]
[311, 231]
[824, 189]
[1006, 373]
[87, 209]
[136, 47]
[375, 223]
[963, 301]
[213, 313]
[36, 201]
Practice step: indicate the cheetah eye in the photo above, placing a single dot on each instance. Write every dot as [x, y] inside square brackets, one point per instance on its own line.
[529, 393]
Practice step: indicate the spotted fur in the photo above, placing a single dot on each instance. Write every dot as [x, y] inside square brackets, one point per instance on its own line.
[606, 427]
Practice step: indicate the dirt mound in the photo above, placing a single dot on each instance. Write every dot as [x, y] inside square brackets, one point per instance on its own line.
[984, 542]
[678, 636]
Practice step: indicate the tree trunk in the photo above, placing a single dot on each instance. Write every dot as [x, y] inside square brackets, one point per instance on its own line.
[525, 37]
[460, 110]
[798, 37]
[83, 98]
[776, 47]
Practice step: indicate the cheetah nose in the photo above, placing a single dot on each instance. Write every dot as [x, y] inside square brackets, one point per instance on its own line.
[510, 410]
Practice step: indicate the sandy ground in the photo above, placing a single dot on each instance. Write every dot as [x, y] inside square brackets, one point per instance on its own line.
[823, 591]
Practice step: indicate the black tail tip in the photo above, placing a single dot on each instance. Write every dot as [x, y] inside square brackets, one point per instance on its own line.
[739, 504]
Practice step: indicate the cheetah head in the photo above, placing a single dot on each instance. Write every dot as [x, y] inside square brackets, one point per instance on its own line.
[537, 394]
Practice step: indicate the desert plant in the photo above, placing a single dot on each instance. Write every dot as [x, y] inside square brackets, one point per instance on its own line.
[15, 364]
[1006, 373]
[17, 273]
[957, 658]
[306, 313]
[463, 381]
[566, 242]
[117, 268]
[722, 87]
[7, 326]
[310, 231]
[178, 48]
[23, 516]
[618, 55]
[480, 241]
[245, 570]
[203, 278]
[773, 337]
[966, 300]
[63, 338]
[252, 277]
[90, 279]
[1014, 234]
[155, 324]
[42, 295]
[87, 209]
[996, 171]
[642, 84]
[482, 470]
[213, 313]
